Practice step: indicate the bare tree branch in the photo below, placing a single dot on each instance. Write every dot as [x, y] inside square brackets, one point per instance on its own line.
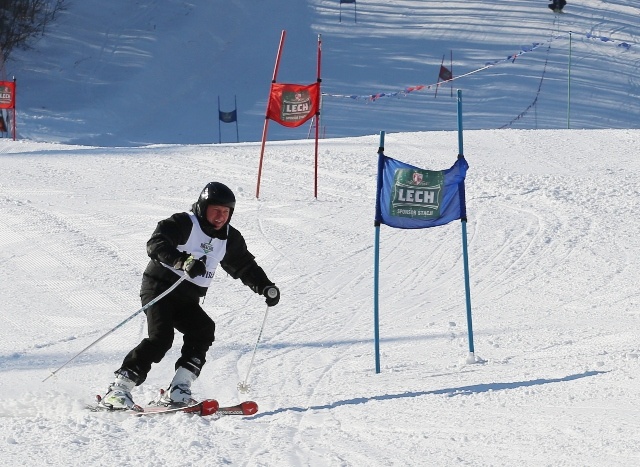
[22, 21]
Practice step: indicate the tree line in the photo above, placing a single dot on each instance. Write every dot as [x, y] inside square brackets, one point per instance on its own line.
[23, 21]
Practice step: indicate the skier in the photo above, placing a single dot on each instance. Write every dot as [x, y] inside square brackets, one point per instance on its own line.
[557, 5]
[191, 243]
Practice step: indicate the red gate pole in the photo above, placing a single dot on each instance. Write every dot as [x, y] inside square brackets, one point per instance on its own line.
[266, 116]
[318, 100]
[13, 120]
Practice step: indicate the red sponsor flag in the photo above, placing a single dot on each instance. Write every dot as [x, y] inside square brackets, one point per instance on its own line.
[7, 95]
[445, 73]
[293, 104]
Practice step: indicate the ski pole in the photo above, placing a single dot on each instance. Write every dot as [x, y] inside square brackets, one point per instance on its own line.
[152, 302]
[243, 387]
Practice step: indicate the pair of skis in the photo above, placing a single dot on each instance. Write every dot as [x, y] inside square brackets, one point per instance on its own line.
[203, 408]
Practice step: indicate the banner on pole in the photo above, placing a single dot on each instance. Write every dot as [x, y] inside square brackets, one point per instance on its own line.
[227, 117]
[7, 95]
[293, 104]
[409, 197]
[445, 73]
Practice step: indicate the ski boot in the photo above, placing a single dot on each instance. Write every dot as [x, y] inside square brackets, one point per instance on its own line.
[118, 396]
[179, 392]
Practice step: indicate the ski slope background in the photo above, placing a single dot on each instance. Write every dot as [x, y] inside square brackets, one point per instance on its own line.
[553, 242]
[128, 73]
[552, 234]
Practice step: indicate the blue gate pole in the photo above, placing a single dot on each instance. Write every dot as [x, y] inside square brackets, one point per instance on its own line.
[465, 253]
[376, 270]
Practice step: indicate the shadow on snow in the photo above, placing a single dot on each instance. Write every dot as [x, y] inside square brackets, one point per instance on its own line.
[450, 392]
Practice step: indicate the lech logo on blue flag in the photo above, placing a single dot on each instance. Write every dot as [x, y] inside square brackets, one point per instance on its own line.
[412, 198]
[416, 193]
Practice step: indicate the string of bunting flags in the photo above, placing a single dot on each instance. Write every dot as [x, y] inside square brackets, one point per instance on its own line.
[510, 58]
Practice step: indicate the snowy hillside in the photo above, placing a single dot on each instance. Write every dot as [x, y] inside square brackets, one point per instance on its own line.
[553, 257]
[127, 73]
[117, 108]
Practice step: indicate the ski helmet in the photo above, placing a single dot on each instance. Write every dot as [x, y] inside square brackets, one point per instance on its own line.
[215, 193]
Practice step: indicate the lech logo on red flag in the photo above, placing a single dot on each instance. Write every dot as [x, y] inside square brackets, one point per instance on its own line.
[6, 95]
[292, 104]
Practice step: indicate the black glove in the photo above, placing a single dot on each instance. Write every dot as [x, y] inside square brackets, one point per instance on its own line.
[273, 295]
[194, 267]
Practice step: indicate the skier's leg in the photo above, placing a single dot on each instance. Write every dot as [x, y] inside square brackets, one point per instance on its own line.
[153, 348]
[198, 329]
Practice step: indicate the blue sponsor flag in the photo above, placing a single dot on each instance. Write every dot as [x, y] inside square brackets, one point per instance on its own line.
[408, 197]
[227, 117]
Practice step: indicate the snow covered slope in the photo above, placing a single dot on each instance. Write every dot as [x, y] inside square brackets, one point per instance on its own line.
[127, 73]
[553, 246]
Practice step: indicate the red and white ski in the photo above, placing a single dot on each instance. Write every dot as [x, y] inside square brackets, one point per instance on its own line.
[243, 408]
[203, 408]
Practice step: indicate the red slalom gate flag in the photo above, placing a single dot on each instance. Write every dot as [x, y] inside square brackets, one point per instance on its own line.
[293, 104]
[7, 95]
[445, 73]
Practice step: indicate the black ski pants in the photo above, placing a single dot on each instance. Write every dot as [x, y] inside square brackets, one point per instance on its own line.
[172, 313]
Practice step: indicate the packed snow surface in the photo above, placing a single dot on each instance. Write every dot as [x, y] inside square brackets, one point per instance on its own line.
[117, 120]
[552, 241]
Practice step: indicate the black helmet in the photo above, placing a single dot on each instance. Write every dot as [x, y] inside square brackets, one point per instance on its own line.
[214, 193]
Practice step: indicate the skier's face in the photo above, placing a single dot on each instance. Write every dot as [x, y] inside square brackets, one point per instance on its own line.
[217, 216]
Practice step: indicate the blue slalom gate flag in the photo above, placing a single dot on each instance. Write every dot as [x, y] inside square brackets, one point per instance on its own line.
[409, 197]
[227, 117]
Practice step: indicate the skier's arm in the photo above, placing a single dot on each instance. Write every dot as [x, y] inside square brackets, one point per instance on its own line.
[239, 263]
[169, 233]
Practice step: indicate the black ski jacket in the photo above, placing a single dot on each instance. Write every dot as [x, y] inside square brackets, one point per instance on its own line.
[238, 262]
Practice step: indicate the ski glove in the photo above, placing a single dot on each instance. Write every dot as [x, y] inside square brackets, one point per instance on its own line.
[273, 295]
[194, 267]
